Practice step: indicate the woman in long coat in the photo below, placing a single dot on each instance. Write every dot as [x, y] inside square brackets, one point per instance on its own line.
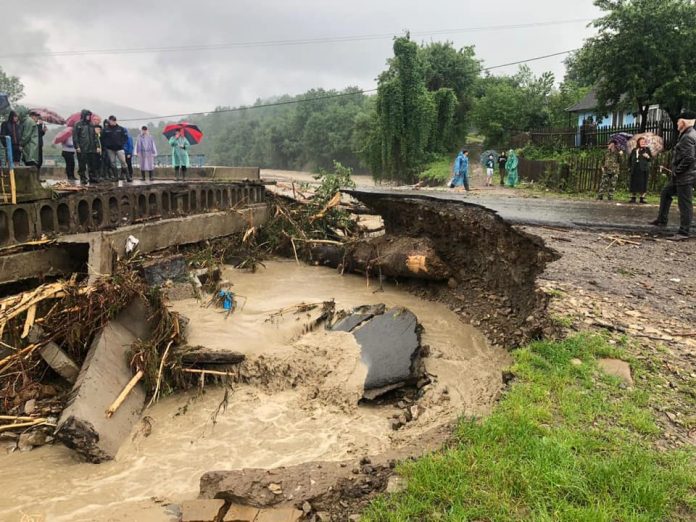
[511, 168]
[180, 156]
[146, 149]
[639, 161]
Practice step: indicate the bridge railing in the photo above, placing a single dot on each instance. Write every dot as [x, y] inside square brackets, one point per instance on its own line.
[161, 160]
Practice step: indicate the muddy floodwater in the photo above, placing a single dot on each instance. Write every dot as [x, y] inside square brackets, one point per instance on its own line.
[298, 404]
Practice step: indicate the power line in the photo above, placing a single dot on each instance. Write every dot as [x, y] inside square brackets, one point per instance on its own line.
[328, 96]
[279, 43]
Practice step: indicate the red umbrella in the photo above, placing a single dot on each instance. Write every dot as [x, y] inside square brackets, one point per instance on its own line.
[49, 116]
[63, 136]
[73, 119]
[192, 132]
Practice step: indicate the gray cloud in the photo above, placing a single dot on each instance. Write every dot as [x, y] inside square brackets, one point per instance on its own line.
[191, 81]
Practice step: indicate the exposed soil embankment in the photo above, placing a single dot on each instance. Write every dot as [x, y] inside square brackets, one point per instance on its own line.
[492, 266]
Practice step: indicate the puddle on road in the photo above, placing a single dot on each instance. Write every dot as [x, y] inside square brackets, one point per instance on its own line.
[284, 420]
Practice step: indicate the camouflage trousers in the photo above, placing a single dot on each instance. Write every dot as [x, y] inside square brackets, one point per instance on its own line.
[608, 183]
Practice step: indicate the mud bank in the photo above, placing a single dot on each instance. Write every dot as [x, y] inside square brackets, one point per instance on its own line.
[493, 265]
[294, 401]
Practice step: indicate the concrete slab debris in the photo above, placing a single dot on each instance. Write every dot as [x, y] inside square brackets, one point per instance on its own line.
[240, 513]
[158, 271]
[617, 368]
[59, 361]
[206, 510]
[83, 425]
[279, 515]
[389, 343]
[358, 316]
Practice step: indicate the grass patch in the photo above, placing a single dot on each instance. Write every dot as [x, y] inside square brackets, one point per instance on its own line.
[438, 172]
[620, 196]
[566, 443]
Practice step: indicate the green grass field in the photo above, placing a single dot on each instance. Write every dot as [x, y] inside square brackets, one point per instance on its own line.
[566, 443]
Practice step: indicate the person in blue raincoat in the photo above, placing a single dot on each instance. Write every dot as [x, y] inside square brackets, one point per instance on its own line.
[180, 156]
[460, 171]
[511, 168]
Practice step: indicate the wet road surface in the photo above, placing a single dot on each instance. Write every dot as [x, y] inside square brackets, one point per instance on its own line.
[606, 215]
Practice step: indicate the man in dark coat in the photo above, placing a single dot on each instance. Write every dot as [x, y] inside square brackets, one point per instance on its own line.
[87, 147]
[114, 139]
[683, 177]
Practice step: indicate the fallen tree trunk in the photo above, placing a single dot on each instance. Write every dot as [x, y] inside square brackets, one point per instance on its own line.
[387, 255]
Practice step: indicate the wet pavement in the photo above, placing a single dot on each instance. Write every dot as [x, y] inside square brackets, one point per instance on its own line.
[561, 213]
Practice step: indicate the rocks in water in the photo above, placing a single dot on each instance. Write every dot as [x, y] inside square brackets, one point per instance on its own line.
[83, 425]
[389, 344]
[31, 439]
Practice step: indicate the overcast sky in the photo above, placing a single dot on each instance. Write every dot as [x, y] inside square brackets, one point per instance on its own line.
[168, 83]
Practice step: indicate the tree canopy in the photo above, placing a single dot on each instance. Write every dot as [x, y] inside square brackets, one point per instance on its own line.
[12, 86]
[642, 55]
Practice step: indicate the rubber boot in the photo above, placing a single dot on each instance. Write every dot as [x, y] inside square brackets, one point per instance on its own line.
[642, 200]
[632, 200]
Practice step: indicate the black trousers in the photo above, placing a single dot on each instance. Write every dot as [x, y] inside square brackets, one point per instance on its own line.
[685, 196]
[129, 164]
[502, 176]
[69, 158]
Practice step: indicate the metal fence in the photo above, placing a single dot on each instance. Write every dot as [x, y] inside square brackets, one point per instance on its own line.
[585, 174]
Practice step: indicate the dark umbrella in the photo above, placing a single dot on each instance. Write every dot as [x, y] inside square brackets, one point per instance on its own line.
[621, 139]
[485, 154]
[192, 133]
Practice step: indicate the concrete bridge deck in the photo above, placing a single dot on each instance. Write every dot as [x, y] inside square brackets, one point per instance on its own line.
[106, 206]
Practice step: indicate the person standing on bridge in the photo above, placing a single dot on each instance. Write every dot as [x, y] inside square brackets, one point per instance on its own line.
[460, 171]
[146, 150]
[12, 128]
[114, 139]
[128, 150]
[33, 130]
[180, 156]
[610, 172]
[87, 147]
[511, 168]
[683, 177]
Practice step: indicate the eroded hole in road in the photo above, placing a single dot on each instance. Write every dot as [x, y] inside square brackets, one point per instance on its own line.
[295, 399]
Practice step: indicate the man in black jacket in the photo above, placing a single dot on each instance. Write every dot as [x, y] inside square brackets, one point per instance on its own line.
[683, 177]
[114, 139]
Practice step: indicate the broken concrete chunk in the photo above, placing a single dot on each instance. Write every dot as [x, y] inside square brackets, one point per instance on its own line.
[239, 513]
[206, 510]
[83, 425]
[358, 316]
[617, 368]
[388, 343]
[55, 357]
[279, 515]
[157, 271]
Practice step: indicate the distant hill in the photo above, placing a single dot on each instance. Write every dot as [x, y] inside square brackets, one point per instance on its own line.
[102, 107]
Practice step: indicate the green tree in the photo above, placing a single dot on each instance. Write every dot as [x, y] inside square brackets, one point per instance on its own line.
[404, 115]
[641, 55]
[448, 68]
[12, 86]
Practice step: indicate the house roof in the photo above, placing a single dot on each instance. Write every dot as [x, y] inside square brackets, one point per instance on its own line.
[588, 103]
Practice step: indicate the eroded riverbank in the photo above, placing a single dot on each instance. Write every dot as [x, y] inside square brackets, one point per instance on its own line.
[267, 423]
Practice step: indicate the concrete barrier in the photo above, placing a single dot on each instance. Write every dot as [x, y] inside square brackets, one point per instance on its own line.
[194, 173]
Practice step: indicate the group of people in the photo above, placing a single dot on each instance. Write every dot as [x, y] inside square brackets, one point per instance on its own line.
[639, 167]
[106, 153]
[101, 153]
[507, 166]
[682, 176]
[26, 137]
